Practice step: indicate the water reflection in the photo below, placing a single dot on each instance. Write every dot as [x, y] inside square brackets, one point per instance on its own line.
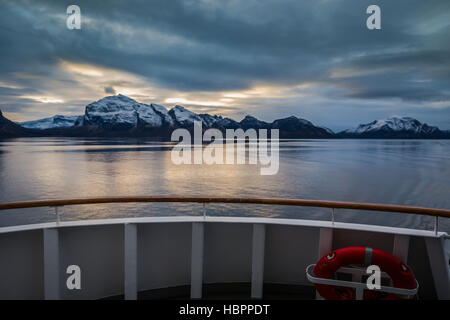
[409, 172]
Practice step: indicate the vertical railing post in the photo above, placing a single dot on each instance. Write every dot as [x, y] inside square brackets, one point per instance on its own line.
[204, 210]
[258, 248]
[436, 221]
[58, 217]
[197, 252]
[51, 264]
[401, 247]
[130, 261]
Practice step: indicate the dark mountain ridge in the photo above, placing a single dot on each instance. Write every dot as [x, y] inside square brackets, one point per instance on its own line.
[12, 129]
[121, 116]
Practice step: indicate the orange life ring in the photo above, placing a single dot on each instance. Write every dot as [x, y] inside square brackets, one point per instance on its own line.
[400, 273]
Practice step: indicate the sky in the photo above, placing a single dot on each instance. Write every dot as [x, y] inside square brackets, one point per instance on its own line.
[314, 59]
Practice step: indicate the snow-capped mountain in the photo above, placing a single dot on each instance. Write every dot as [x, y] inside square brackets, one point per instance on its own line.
[394, 127]
[58, 121]
[163, 113]
[394, 124]
[218, 122]
[122, 116]
[209, 120]
[121, 113]
[182, 117]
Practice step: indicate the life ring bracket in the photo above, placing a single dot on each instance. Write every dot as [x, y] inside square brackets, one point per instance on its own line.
[358, 286]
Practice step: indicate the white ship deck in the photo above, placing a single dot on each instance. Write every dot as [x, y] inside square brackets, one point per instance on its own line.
[199, 257]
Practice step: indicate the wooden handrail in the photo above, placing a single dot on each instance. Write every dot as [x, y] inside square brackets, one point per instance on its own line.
[268, 201]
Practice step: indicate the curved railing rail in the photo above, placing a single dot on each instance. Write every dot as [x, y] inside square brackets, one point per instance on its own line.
[266, 201]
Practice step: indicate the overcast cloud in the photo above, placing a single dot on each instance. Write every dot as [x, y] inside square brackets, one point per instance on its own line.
[272, 59]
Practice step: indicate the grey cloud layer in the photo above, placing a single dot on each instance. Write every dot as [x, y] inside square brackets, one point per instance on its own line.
[233, 45]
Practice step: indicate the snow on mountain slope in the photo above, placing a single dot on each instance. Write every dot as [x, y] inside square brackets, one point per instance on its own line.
[121, 112]
[121, 115]
[209, 120]
[114, 111]
[163, 113]
[57, 121]
[393, 124]
[148, 116]
[183, 116]
[218, 122]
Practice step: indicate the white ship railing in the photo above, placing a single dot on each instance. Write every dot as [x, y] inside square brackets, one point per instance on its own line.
[434, 212]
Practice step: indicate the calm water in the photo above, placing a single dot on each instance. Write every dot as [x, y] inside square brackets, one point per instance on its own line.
[409, 172]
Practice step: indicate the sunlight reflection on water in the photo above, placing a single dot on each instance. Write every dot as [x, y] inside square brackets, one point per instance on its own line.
[405, 172]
